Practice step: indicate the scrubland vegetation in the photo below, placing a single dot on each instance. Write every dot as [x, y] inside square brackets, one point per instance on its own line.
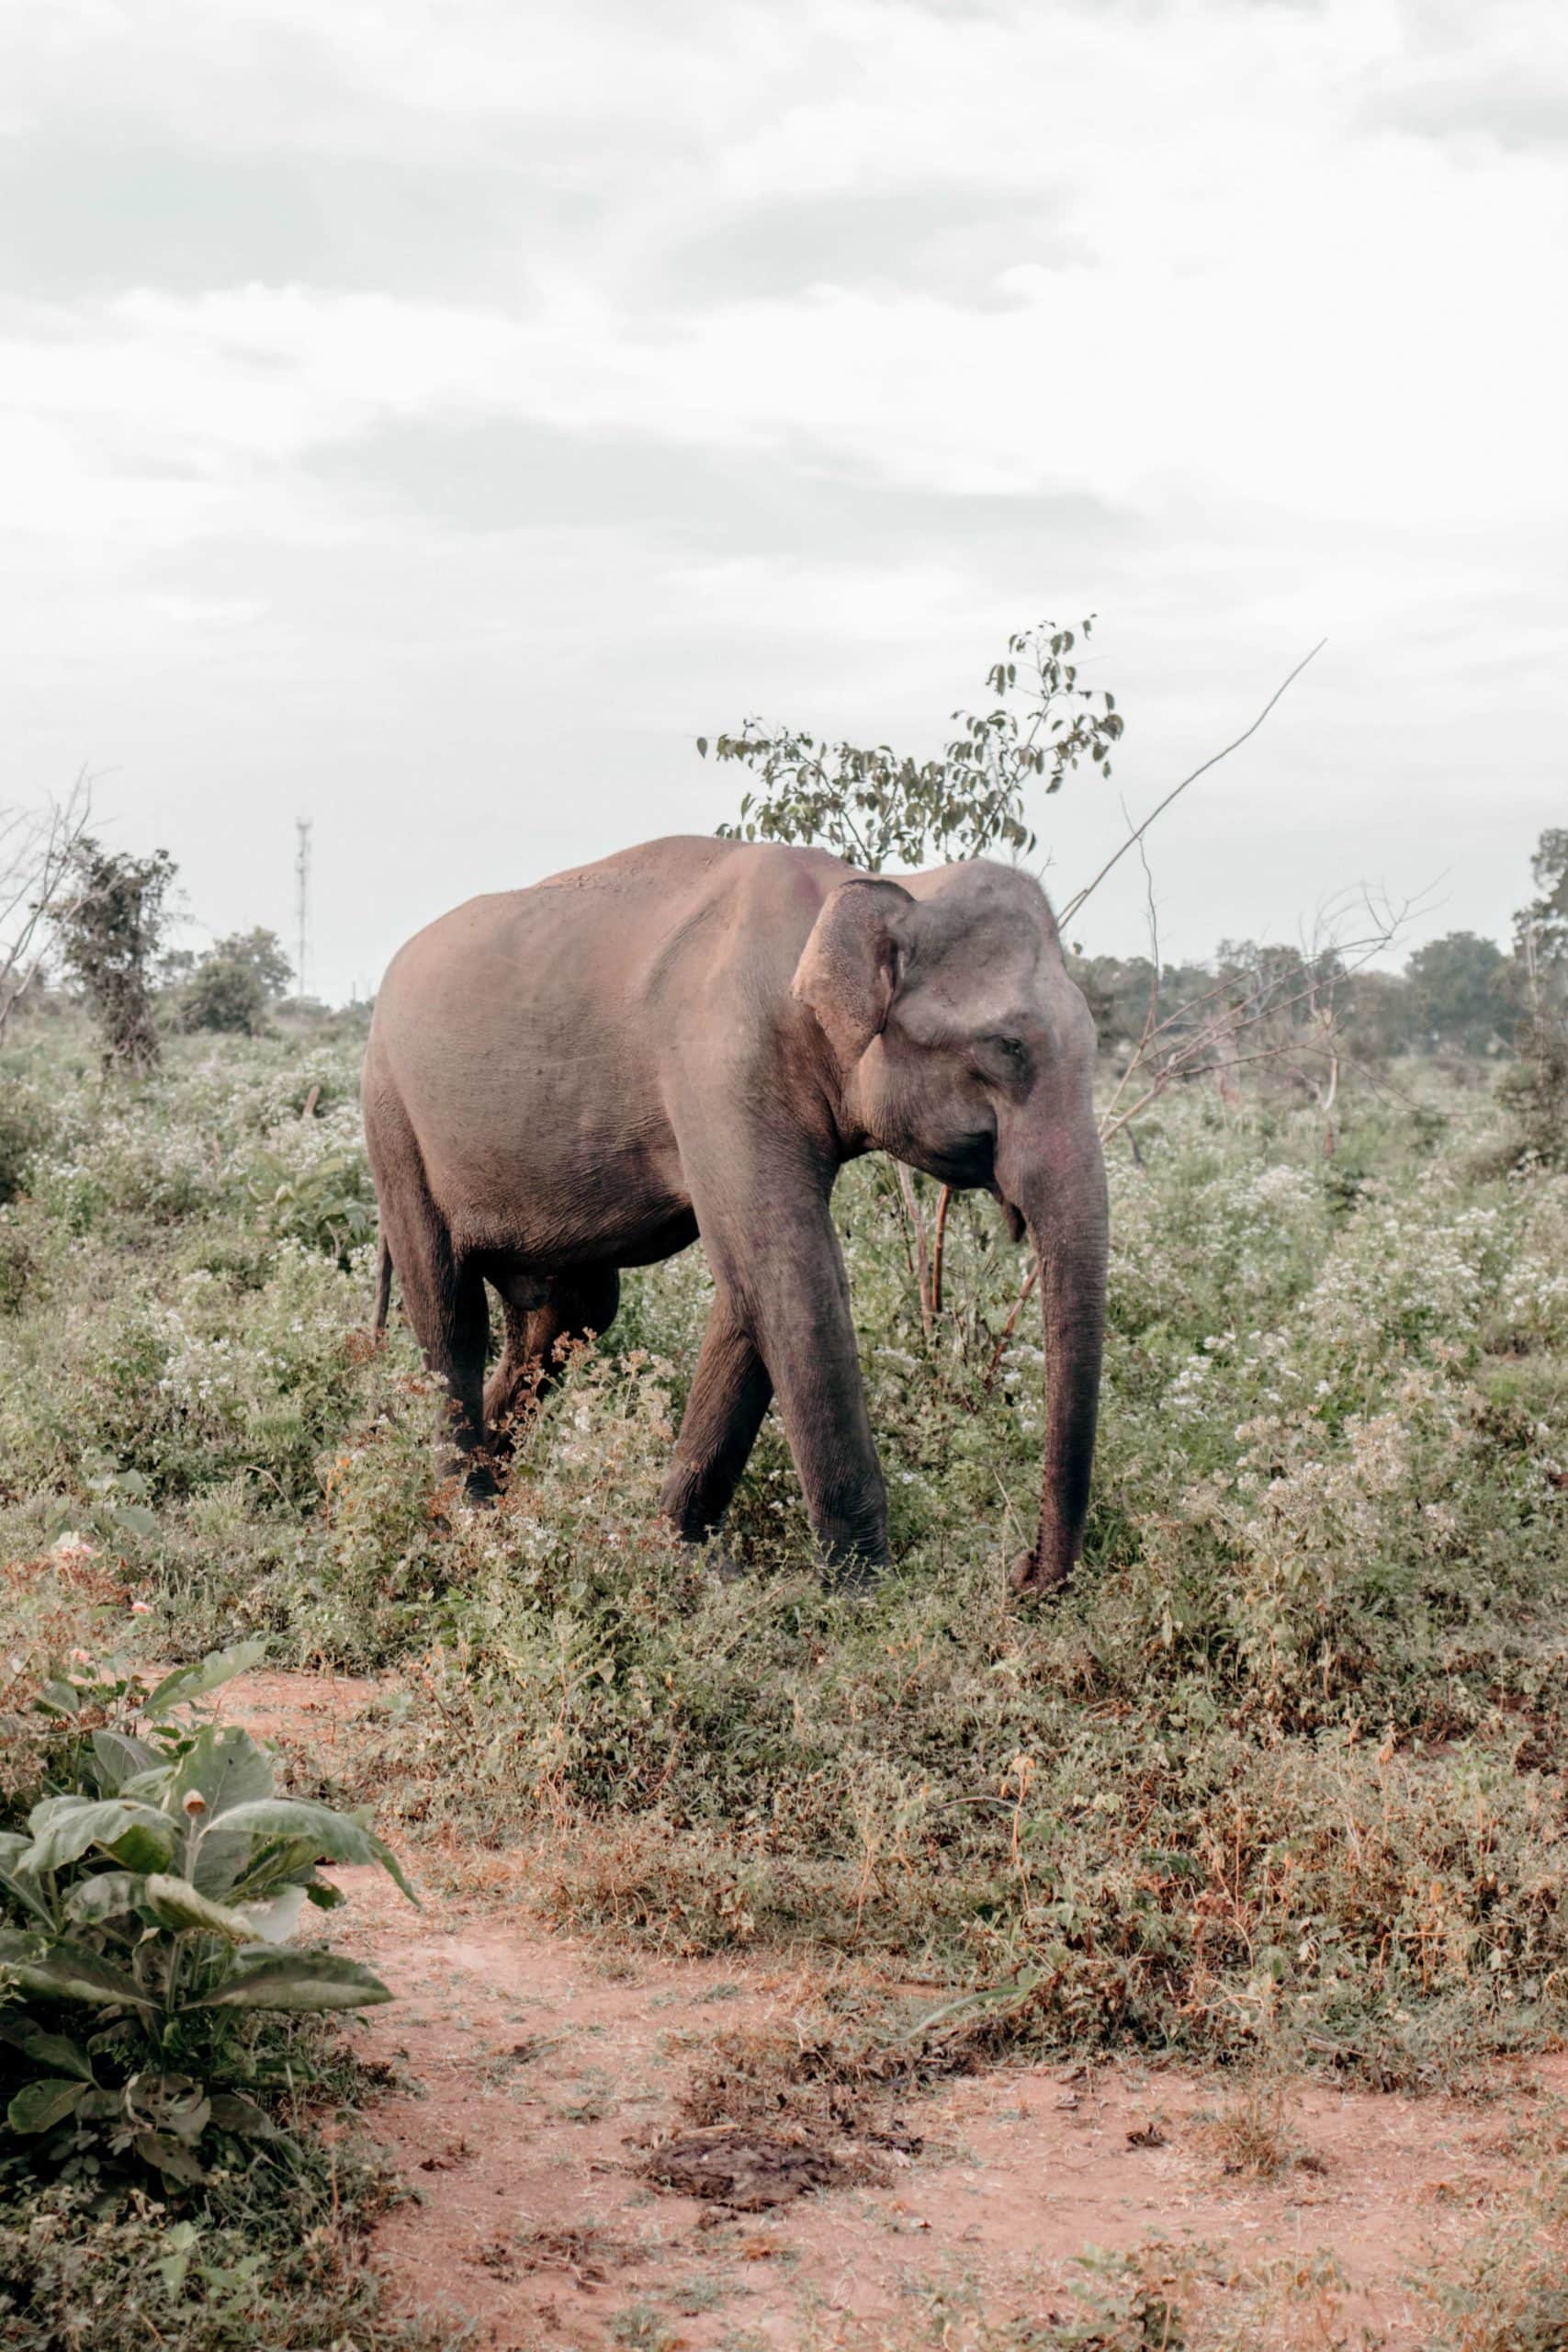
[1275, 1784]
[1283, 1761]
[1281, 1774]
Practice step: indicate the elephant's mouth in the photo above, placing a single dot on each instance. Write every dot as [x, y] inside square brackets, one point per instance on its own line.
[967, 1162]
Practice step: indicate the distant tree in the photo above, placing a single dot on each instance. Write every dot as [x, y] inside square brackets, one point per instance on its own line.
[231, 986]
[1535, 1090]
[1117, 989]
[1295, 986]
[110, 925]
[1456, 987]
[1380, 1015]
[875, 806]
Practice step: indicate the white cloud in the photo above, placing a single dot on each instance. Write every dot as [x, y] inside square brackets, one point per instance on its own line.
[1268, 291]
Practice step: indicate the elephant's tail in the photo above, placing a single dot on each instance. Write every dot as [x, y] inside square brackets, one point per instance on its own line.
[383, 1287]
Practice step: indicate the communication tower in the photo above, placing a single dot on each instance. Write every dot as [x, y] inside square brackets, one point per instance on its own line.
[301, 902]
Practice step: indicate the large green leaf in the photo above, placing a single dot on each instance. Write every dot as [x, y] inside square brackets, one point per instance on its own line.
[176, 1905]
[143, 1849]
[295, 1979]
[46, 2049]
[73, 1824]
[104, 1896]
[332, 1834]
[188, 1682]
[25, 1896]
[224, 1768]
[176, 2163]
[232, 2111]
[280, 1861]
[118, 1758]
[67, 1973]
[39, 2107]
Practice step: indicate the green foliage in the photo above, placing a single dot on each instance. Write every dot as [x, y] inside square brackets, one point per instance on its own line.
[1536, 1092]
[1540, 927]
[1459, 992]
[23, 1128]
[232, 984]
[329, 1205]
[145, 1913]
[872, 804]
[109, 928]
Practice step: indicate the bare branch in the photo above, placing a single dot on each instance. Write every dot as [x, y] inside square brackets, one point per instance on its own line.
[36, 848]
[1073, 905]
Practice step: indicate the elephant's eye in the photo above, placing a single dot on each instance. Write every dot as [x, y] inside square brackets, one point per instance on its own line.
[1011, 1046]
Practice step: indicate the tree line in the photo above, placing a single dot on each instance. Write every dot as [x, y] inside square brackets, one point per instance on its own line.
[100, 917]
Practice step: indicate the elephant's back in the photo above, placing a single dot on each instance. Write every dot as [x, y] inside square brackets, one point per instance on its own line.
[592, 933]
[520, 1039]
[532, 1040]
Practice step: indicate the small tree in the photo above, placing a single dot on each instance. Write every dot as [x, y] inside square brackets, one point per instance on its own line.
[36, 852]
[872, 804]
[231, 986]
[1542, 926]
[109, 929]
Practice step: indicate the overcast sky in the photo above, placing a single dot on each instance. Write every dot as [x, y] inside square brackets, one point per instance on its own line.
[429, 416]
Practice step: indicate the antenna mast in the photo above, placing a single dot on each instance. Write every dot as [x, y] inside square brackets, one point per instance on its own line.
[301, 903]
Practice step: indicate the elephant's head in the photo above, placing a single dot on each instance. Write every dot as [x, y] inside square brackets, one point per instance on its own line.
[963, 1048]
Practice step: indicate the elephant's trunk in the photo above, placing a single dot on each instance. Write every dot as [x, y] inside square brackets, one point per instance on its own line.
[1065, 1205]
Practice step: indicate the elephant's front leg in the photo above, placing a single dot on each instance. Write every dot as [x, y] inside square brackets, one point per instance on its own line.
[781, 1278]
[730, 1393]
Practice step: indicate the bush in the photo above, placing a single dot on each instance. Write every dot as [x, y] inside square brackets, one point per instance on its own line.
[234, 983]
[145, 1917]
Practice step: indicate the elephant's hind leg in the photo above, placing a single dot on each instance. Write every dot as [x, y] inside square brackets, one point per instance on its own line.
[445, 1301]
[539, 1337]
[442, 1297]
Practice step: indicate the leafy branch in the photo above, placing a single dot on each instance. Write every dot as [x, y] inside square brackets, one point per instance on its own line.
[875, 806]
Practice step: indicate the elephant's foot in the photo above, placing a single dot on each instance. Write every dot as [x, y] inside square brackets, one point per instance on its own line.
[482, 1486]
[707, 1553]
[855, 1577]
[1027, 1580]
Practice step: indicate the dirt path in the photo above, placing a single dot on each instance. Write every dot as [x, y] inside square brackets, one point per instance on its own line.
[541, 2069]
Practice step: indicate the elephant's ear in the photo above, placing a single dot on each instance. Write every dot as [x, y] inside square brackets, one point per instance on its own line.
[849, 969]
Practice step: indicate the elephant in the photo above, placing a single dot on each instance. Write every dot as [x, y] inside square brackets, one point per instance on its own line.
[692, 1038]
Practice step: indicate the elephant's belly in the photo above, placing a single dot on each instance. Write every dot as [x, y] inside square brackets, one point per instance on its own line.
[650, 1248]
[595, 1203]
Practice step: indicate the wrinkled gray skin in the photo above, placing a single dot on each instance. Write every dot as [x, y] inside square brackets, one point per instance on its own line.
[694, 1036]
